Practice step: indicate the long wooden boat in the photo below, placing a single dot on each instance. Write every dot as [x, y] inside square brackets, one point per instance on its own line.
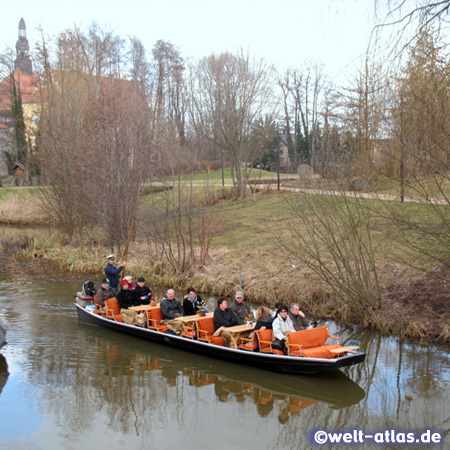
[267, 361]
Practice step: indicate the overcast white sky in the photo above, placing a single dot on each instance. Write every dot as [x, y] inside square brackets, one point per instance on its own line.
[283, 32]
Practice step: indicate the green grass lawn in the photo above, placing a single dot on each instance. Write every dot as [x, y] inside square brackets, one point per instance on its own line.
[259, 220]
[217, 175]
[19, 191]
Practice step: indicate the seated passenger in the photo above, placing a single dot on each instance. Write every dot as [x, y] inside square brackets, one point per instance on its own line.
[298, 318]
[131, 285]
[105, 293]
[239, 308]
[171, 309]
[263, 318]
[126, 299]
[282, 325]
[276, 308]
[143, 292]
[192, 302]
[223, 317]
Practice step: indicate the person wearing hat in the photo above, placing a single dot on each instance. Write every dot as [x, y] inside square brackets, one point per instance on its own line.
[142, 292]
[240, 309]
[131, 285]
[105, 293]
[112, 272]
[126, 299]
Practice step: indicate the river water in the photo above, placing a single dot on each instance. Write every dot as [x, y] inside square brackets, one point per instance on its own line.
[65, 384]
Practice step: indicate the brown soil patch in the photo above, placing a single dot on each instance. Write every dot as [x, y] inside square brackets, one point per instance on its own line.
[423, 301]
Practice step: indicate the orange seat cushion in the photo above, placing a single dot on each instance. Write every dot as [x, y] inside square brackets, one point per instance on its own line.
[273, 351]
[312, 343]
[314, 337]
[155, 316]
[322, 351]
[265, 339]
[206, 324]
[250, 346]
[264, 335]
[216, 340]
[113, 305]
[206, 329]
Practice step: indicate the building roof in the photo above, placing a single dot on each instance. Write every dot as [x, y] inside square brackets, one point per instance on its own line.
[18, 165]
[29, 89]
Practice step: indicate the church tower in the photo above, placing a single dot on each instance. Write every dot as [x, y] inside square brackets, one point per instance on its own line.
[23, 61]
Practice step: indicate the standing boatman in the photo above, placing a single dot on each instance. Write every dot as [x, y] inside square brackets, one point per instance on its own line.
[112, 272]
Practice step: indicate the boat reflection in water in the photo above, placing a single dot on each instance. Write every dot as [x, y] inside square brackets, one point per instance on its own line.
[284, 394]
[296, 394]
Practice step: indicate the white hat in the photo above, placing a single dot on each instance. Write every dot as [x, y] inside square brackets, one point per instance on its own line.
[111, 256]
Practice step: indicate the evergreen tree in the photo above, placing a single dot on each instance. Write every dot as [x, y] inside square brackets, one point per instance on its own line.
[19, 124]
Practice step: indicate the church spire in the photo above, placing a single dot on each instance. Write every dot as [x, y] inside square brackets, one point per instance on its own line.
[23, 61]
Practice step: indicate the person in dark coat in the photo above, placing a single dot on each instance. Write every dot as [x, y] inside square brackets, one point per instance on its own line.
[171, 309]
[126, 299]
[223, 317]
[192, 302]
[142, 292]
[105, 293]
[171, 306]
[112, 272]
[263, 318]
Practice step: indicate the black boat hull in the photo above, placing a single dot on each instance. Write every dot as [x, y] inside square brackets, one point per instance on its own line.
[276, 363]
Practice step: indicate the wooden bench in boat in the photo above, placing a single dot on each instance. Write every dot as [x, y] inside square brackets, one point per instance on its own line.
[311, 343]
[205, 329]
[345, 349]
[113, 309]
[260, 341]
[154, 317]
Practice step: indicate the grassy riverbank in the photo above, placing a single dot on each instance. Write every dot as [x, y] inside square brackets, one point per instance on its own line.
[413, 303]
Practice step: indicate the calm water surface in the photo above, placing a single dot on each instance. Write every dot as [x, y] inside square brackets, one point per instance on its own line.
[68, 385]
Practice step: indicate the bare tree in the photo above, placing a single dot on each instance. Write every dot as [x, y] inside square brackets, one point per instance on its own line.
[230, 96]
[117, 142]
[180, 224]
[170, 102]
[302, 96]
[95, 134]
[363, 106]
[331, 235]
[140, 67]
[61, 131]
